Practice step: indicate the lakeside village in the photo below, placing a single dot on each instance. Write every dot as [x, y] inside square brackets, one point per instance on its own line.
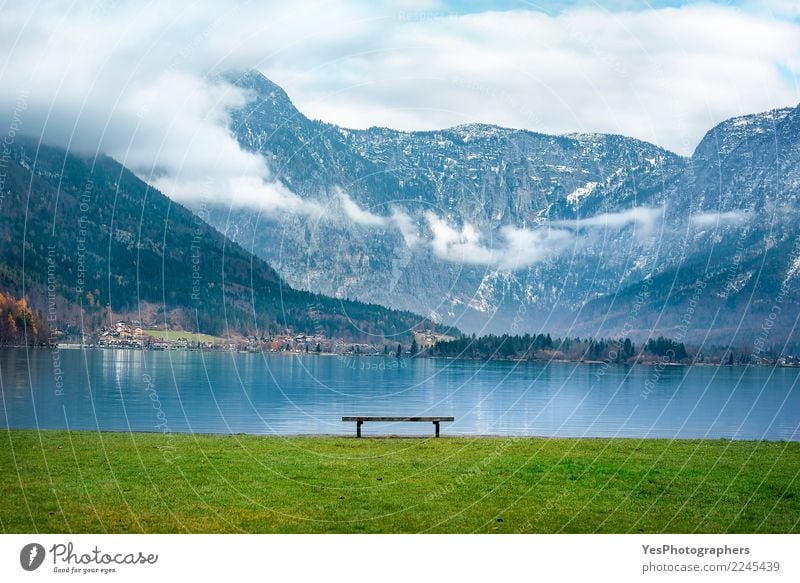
[24, 326]
[152, 336]
[429, 343]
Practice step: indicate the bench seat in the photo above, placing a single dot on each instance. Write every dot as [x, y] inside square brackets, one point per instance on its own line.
[361, 419]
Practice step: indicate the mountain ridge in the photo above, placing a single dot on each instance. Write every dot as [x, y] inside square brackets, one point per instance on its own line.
[492, 179]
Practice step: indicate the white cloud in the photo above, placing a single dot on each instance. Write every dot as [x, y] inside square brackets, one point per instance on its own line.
[665, 75]
[458, 246]
[358, 215]
[407, 227]
[132, 80]
[710, 219]
[139, 83]
[517, 248]
[526, 247]
[644, 217]
[782, 8]
[184, 147]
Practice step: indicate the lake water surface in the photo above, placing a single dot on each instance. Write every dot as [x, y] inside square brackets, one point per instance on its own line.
[220, 392]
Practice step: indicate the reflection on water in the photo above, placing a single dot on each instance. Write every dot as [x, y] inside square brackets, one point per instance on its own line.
[275, 394]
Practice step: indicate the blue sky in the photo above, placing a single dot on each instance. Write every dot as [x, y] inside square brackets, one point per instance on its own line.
[472, 6]
[777, 8]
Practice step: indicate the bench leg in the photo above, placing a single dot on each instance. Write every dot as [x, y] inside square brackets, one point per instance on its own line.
[358, 428]
[436, 423]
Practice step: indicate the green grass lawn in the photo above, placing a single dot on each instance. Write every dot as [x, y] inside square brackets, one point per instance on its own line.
[174, 335]
[54, 481]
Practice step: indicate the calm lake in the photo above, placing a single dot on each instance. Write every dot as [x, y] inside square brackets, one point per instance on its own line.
[220, 392]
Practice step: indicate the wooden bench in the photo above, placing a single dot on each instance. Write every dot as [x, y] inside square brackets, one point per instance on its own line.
[360, 421]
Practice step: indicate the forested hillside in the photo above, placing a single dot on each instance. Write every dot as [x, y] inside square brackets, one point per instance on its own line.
[89, 239]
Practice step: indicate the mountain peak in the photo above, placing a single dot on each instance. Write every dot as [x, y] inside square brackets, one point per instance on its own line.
[265, 89]
[471, 131]
[727, 135]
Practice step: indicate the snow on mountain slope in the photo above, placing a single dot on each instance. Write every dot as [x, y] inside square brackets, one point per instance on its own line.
[430, 215]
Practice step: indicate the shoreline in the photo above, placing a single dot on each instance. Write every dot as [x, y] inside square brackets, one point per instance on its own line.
[655, 363]
[393, 436]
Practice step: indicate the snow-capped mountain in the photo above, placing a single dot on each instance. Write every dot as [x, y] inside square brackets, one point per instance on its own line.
[498, 229]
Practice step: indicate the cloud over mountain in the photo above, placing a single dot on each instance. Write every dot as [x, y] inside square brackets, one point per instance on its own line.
[140, 82]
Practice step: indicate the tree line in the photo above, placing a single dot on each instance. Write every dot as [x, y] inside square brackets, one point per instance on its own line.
[19, 324]
[544, 347]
